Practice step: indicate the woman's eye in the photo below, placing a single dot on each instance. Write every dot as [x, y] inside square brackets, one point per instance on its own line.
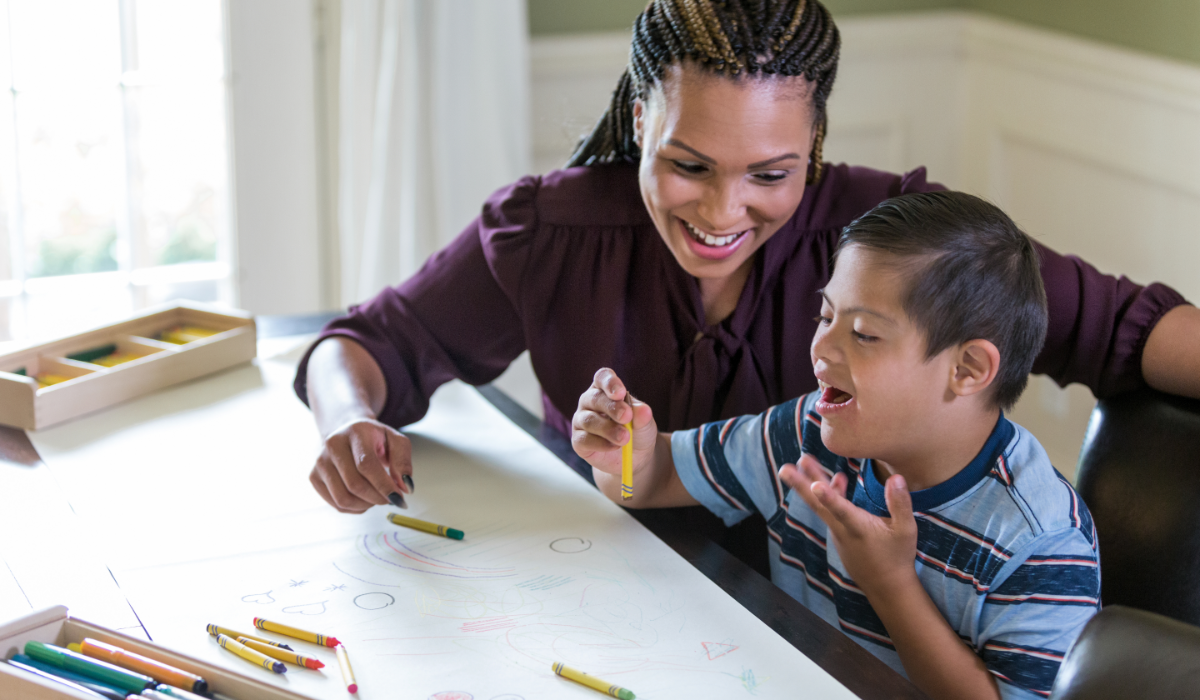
[690, 168]
[773, 176]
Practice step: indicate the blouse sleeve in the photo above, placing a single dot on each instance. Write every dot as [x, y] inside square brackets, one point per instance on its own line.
[1098, 324]
[453, 319]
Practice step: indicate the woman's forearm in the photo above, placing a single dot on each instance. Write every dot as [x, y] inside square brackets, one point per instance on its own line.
[1170, 360]
[344, 383]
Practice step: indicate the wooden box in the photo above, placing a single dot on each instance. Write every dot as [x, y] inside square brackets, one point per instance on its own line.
[55, 626]
[148, 362]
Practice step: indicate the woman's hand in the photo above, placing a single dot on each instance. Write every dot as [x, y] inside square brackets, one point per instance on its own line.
[598, 426]
[364, 463]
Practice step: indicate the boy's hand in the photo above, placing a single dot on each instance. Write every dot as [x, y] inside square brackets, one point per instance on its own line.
[598, 426]
[876, 551]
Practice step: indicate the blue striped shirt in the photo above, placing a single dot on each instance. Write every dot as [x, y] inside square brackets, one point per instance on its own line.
[1005, 548]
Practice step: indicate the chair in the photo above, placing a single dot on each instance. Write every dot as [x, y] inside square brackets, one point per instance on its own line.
[1124, 653]
[1139, 473]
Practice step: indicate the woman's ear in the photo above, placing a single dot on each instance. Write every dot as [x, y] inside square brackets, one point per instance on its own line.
[977, 362]
[639, 114]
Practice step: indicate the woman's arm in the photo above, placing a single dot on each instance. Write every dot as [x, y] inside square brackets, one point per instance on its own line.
[1171, 358]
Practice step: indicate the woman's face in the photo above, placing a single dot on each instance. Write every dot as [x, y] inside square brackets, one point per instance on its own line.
[723, 163]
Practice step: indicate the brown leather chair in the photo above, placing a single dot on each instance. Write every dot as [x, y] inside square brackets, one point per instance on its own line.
[1139, 473]
[1124, 654]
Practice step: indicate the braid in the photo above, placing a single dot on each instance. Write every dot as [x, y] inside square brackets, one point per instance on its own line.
[732, 37]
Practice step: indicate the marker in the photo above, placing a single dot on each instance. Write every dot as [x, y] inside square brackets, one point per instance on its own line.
[46, 380]
[347, 672]
[136, 662]
[295, 632]
[214, 630]
[592, 682]
[89, 683]
[254, 657]
[282, 655]
[77, 687]
[106, 673]
[116, 358]
[425, 526]
[156, 695]
[93, 354]
[627, 459]
[172, 691]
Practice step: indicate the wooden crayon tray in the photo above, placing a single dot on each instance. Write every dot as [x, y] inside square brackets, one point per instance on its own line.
[56, 626]
[45, 384]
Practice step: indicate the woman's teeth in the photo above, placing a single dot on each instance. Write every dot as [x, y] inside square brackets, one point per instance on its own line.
[709, 239]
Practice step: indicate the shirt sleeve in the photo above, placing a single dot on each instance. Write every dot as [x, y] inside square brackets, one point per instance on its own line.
[1098, 324]
[453, 319]
[732, 467]
[1033, 613]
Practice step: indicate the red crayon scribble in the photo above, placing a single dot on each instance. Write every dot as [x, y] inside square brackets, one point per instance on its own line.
[716, 650]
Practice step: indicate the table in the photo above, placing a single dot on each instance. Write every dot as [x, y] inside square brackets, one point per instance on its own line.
[23, 480]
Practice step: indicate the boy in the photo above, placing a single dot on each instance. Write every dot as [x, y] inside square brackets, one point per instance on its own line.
[959, 555]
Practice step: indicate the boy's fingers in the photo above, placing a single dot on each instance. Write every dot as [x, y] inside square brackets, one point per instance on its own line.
[812, 468]
[899, 501]
[844, 511]
[642, 415]
[600, 425]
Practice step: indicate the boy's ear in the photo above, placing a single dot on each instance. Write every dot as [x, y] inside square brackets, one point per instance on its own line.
[977, 362]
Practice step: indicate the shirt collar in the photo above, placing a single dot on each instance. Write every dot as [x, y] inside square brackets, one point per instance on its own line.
[955, 486]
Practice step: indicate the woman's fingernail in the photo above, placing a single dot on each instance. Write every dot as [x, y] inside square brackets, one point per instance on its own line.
[407, 482]
[397, 500]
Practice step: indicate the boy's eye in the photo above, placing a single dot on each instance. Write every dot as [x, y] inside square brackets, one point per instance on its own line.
[863, 337]
[823, 320]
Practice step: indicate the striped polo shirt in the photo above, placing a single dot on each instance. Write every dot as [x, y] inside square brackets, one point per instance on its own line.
[1005, 548]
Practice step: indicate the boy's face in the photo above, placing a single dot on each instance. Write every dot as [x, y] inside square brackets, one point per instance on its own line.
[881, 397]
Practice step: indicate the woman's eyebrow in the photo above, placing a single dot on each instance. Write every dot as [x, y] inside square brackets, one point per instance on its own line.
[689, 149]
[771, 161]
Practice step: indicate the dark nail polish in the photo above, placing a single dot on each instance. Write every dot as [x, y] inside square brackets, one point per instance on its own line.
[407, 482]
[397, 500]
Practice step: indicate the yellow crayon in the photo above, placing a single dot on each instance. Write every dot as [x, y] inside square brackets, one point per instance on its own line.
[214, 630]
[592, 682]
[627, 459]
[425, 526]
[45, 380]
[282, 654]
[347, 672]
[254, 657]
[295, 632]
[115, 359]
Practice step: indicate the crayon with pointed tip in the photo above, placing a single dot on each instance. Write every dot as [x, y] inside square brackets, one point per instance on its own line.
[254, 657]
[214, 630]
[592, 682]
[295, 632]
[276, 653]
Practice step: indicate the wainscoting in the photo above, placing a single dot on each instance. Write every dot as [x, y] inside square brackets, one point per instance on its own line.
[1093, 150]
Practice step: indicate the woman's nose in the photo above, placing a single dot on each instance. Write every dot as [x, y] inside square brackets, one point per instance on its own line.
[722, 208]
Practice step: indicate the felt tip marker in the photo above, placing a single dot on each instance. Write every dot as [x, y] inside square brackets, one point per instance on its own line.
[136, 662]
[106, 673]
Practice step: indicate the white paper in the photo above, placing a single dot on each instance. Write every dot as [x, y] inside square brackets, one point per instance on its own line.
[549, 571]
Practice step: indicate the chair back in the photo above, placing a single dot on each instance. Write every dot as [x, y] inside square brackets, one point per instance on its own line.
[1139, 473]
[1124, 653]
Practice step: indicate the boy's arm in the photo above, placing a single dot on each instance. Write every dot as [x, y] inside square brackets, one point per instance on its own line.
[878, 553]
[598, 433]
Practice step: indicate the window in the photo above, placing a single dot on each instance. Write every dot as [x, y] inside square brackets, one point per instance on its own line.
[114, 161]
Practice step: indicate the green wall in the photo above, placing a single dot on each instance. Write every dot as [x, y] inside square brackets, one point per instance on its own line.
[1169, 28]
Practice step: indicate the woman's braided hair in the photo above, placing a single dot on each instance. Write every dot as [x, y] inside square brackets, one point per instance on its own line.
[731, 37]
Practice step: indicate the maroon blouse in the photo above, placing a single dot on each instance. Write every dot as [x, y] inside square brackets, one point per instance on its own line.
[569, 266]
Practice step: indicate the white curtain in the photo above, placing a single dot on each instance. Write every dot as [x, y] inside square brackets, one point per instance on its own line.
[432, 116]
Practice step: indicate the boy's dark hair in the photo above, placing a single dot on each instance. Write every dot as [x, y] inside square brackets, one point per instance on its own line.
[972, 274]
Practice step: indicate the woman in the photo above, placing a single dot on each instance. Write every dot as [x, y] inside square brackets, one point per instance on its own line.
[684, 248]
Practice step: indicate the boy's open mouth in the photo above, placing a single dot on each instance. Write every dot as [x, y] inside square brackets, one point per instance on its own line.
[832, 395]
